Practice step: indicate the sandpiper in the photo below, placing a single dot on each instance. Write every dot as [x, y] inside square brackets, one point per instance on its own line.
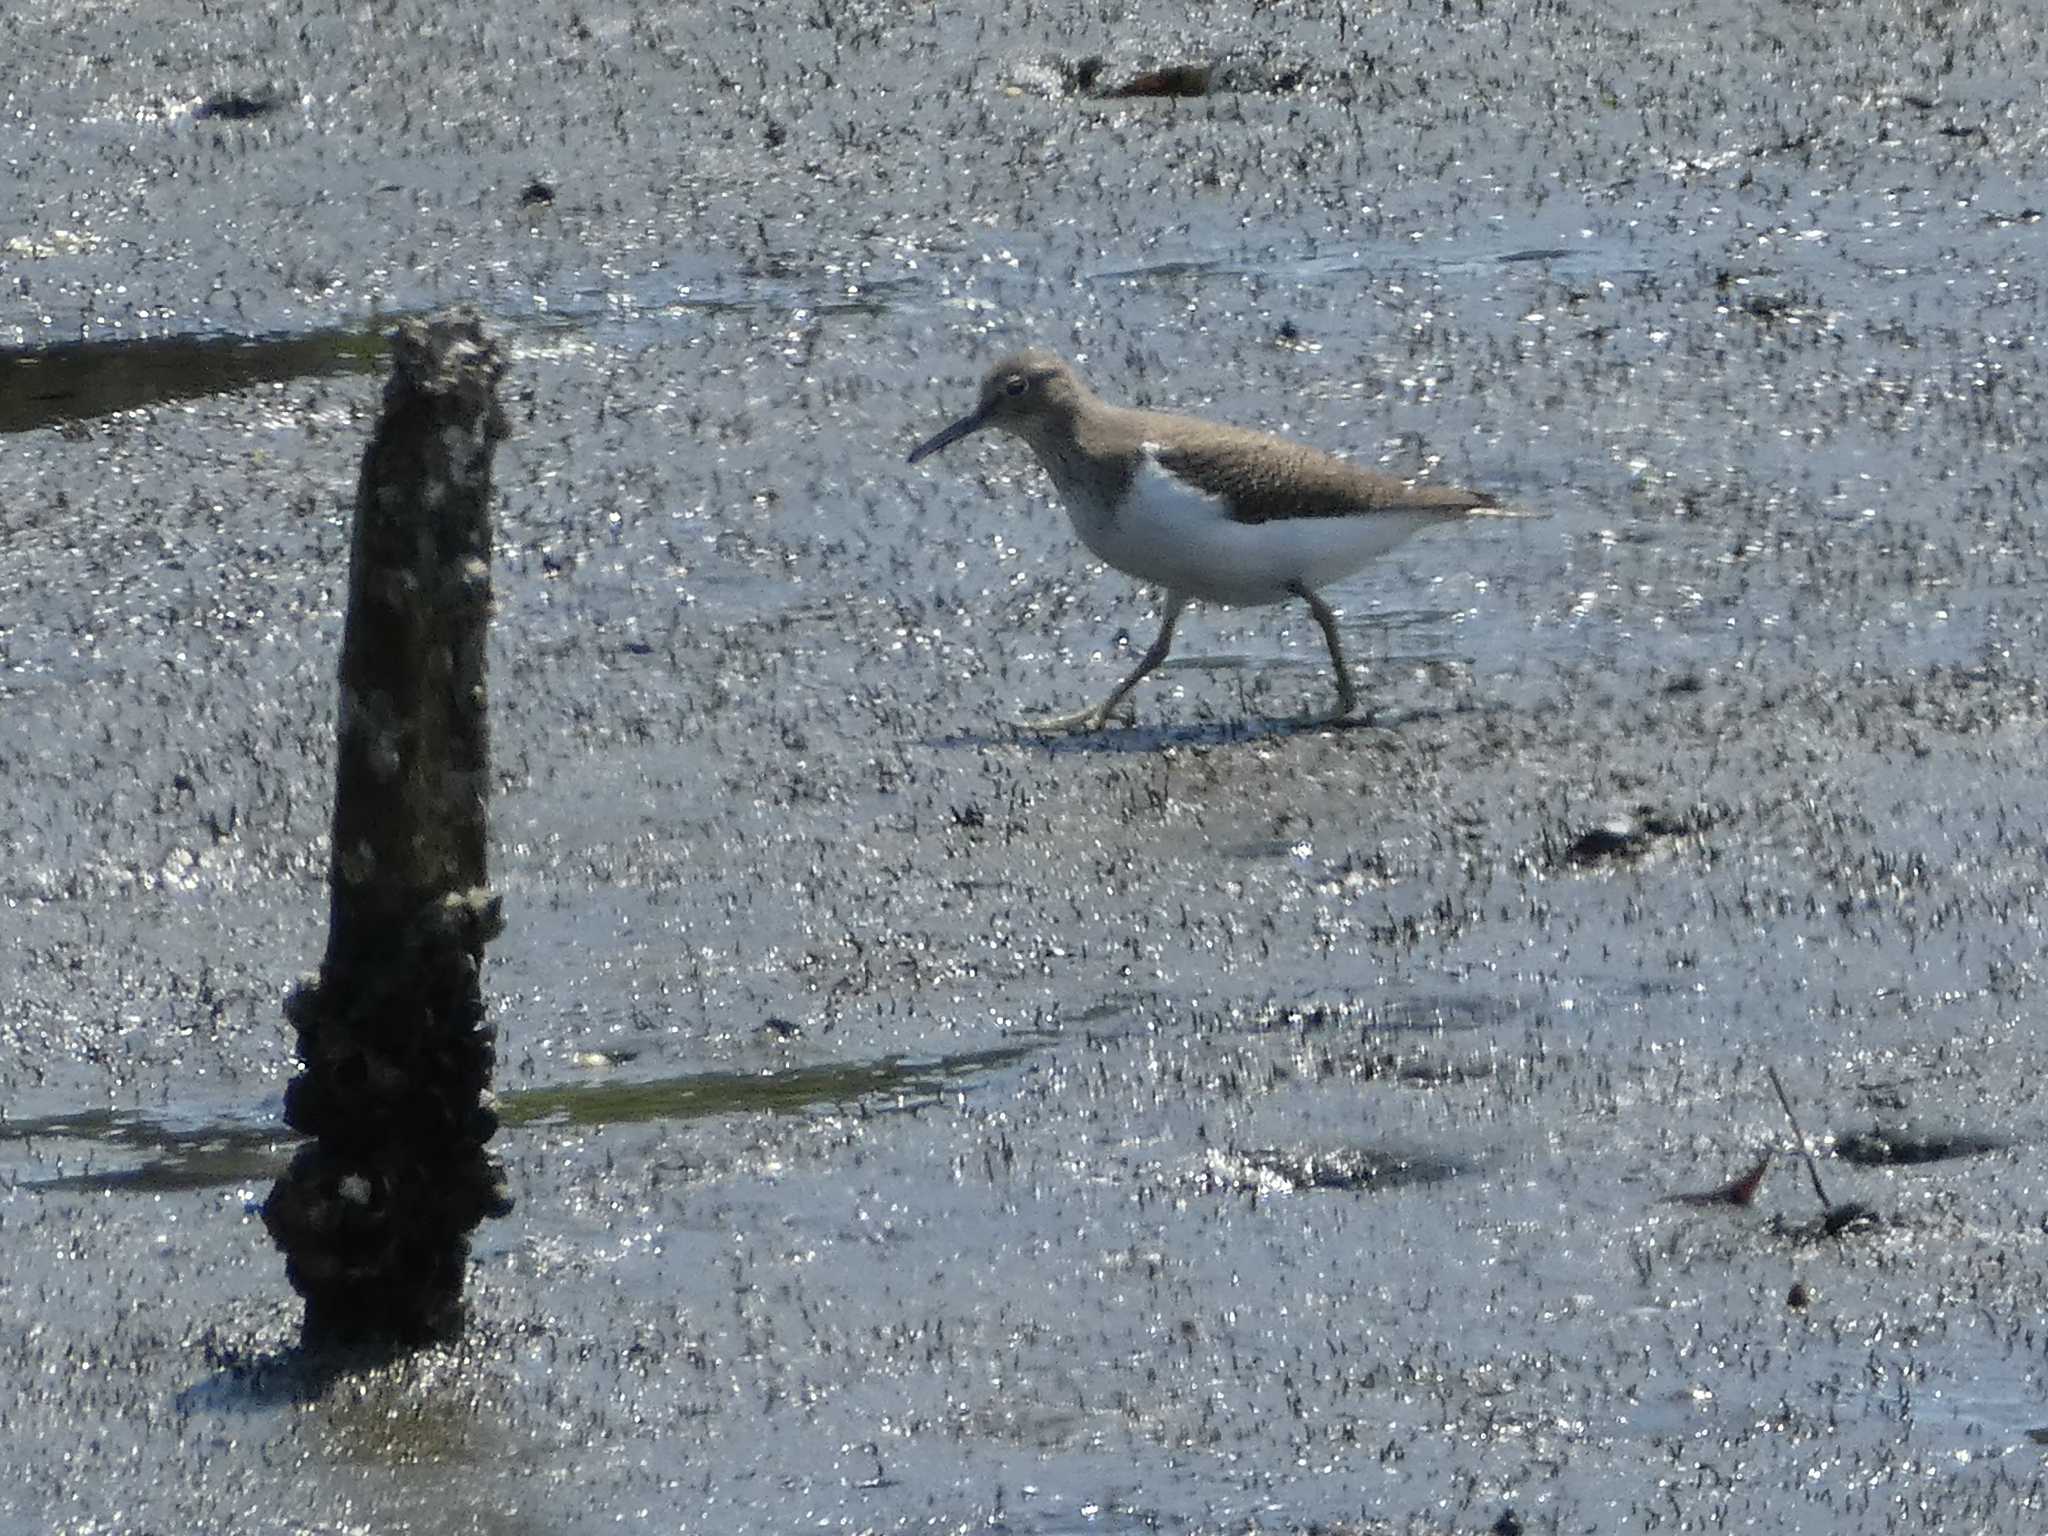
[1201, 509]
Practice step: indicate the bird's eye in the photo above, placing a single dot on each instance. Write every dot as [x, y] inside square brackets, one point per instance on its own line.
[1016, 386]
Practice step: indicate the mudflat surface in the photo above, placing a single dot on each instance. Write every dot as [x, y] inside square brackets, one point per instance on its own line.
[1214, 1124]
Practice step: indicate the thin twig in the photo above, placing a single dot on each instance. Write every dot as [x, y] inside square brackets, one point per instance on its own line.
[1799, 1136]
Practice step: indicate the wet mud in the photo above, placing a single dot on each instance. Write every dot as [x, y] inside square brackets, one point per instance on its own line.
[1215, 1124]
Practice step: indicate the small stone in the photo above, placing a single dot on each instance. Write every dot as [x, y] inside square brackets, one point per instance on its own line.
[1167, 80]
[1609, 840]
[238, 106]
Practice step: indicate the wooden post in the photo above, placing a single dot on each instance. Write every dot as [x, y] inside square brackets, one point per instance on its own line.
[374, 1214]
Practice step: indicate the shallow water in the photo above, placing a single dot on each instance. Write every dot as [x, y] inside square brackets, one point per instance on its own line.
[1214, 1124]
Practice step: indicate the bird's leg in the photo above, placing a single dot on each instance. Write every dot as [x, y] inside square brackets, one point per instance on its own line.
[1094, 718]
[1347, 697]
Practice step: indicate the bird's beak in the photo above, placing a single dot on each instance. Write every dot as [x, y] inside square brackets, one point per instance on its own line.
[973, 421]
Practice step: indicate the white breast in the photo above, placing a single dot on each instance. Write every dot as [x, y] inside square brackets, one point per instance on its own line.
[1168, 532]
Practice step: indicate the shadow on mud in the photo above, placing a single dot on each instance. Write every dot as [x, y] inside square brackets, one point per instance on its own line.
[83, 380]
[695, 1095]
[1343, 1170]
[129, 1151]
[1142, 740]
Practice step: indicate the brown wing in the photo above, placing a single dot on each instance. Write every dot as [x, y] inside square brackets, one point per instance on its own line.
[1268, 478]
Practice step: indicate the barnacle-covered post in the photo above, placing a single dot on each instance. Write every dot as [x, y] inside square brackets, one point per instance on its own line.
[375, 1212]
